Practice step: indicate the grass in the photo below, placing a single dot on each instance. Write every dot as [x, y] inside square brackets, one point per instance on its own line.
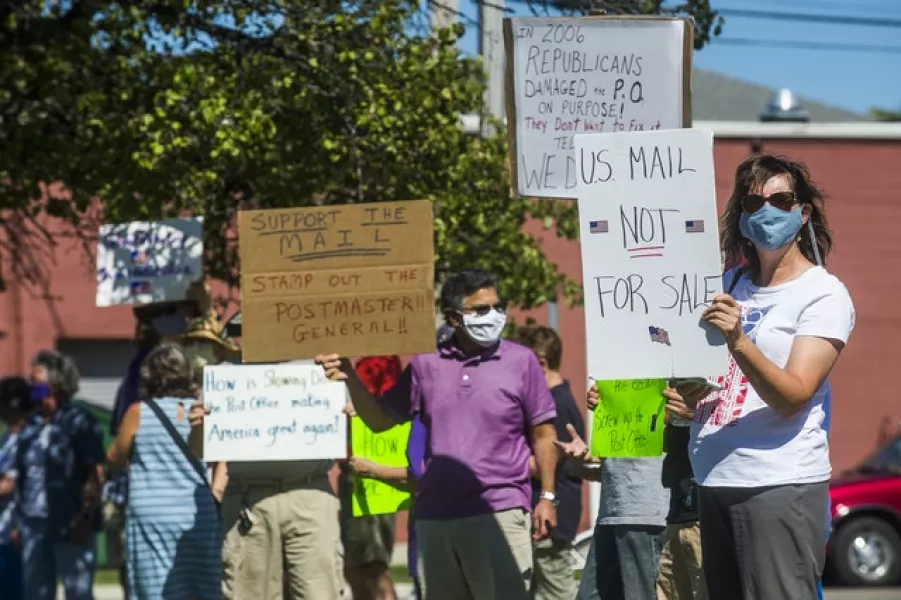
[106, 577]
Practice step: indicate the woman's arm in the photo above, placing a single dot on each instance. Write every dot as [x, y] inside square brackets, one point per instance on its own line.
[220, 480]
[786, 390]
[120, 450]
[7, 485]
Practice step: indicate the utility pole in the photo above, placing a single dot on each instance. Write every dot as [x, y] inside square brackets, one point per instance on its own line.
[491, 47]
[443, 13]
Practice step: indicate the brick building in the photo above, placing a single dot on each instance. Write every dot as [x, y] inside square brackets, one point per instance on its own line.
[857, 163]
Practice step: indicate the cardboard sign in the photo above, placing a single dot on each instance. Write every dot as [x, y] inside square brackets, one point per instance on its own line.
[629, 418]
[568, 76]
[273, 412]
[650, 254]
[142, 262]
[355, 280]
[388, 448]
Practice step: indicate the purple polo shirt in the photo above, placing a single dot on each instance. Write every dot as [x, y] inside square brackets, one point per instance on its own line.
[478, 412]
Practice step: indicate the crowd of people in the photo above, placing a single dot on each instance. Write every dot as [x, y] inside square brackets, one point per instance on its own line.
[736, 508]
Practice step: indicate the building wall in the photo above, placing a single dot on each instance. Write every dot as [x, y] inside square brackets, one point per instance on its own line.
[862, 180]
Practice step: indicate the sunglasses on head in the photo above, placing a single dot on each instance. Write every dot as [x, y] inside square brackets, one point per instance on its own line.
[751, 203]
[484, 309]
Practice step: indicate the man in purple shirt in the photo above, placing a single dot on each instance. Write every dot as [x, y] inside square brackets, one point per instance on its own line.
[486, 407]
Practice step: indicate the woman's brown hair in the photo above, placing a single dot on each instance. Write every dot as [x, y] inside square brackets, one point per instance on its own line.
[166, 372]
[750, 177]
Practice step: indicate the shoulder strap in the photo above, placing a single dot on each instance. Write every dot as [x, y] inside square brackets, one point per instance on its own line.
[739, 273]
[176, 437]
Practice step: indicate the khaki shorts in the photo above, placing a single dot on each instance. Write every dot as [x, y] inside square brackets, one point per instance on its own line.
[292, 549]
[681, 574]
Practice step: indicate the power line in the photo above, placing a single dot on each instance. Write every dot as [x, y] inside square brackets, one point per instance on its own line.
[732, 41]
[810, 18]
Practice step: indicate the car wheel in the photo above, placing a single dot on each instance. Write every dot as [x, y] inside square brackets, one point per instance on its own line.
[867, 552]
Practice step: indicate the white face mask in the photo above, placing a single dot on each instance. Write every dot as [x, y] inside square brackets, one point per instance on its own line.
[485, 329]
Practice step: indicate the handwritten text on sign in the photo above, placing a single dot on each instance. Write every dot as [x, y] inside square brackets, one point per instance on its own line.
[588, 75]
[143, 262]
[389, 448]
[355, 280]
[629, 418]
[650, 254]
[273, 412]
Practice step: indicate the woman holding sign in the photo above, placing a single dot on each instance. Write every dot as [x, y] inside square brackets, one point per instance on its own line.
[759, 448]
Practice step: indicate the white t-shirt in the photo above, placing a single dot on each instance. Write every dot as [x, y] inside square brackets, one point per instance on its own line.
[737, 440]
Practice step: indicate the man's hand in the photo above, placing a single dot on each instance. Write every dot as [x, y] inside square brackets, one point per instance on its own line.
[336, 367]
[544, 518]
[593, 398]
[349, 410]
[676, 405]
[362, 467]
[577, 449]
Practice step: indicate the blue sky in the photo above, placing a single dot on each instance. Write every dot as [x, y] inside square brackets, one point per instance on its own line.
[850, 79]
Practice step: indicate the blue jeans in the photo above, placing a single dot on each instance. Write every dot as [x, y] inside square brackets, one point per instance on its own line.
[10, 572]
[622, 563]
[45, 560]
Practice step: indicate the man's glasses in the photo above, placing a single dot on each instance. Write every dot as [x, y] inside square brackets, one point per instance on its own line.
[781, 200]
[484, 309]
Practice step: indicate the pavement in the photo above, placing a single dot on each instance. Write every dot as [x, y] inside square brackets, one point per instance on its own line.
[405, 592]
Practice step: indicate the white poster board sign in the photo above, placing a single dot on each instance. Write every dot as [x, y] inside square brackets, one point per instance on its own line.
[142, 262]
[651, 258]
[569, 76]
[273, 412]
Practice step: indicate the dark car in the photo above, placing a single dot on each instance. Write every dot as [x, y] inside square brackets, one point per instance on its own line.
[865, 546]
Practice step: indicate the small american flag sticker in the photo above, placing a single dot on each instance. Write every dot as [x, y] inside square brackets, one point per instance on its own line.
[597, 226]
[694, 226]
[139, 257]
[659, 335]
[141, 287]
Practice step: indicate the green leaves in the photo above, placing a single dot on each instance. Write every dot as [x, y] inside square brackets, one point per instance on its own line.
[210, 106]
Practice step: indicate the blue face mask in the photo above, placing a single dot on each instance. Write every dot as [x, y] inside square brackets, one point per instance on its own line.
[39, 391]
[771, 228]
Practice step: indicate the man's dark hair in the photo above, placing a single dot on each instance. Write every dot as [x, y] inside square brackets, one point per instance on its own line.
[543, 341]
[62, 374]
[465, 283]
[15, 394]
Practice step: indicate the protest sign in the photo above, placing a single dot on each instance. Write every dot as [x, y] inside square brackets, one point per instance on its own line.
[650, 254]
[273, 412]
[356, 280]
[142, 262]
[567, 76]
[389, 448]
[629, 418]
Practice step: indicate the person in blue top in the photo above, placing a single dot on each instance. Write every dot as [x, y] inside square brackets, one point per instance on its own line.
[15, 404]
[174, 535]
[59, 467]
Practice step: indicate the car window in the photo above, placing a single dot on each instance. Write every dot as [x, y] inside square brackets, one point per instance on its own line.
[886, 460]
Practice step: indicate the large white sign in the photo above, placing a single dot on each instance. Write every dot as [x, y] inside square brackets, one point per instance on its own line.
[142, 262]
[589, 75]
[650, 254]
[273, 412]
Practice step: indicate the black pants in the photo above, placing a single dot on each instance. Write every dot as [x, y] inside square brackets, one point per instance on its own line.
[764, 543]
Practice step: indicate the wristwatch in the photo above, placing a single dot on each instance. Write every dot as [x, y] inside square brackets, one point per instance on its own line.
[549, 496]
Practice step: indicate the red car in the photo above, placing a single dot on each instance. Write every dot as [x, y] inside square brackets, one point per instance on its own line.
[865, 546]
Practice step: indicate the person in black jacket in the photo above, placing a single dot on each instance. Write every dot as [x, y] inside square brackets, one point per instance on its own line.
[553, 577]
